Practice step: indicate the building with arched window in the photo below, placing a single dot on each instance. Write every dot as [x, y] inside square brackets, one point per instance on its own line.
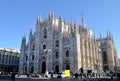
[9, 60]
[59, 45]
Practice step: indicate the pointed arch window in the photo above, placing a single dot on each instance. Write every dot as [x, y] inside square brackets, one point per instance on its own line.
[44, 46]
[45, 33]
[32, 57]
[57, 43]
[56, 55]
[67, 53]
[33, 47]
[25, 68]
[32, 69]
[105, 56]
[26, 58]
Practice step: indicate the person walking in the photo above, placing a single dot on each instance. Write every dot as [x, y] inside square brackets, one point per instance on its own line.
[13, 76]
[51, 75]
[76, 76]
[111, 77]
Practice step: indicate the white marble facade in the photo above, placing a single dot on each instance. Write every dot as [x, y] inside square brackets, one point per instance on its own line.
[57, 45]
[109, 53]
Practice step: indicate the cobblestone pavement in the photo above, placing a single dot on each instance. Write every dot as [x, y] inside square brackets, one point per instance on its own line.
[61, 79]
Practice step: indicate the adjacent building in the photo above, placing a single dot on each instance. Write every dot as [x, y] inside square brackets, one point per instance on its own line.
[57, 45]
[9, 60]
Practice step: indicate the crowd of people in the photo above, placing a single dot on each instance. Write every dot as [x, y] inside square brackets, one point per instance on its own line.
[4, 75]
[75, 75]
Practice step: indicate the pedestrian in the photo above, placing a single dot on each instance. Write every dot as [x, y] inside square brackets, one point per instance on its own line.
[51, 75]
[27, 75]
[99, 75]
[76, 76]
[13, 76]
[84, 80]
[81, 75]
[111, 76]
[93, 74]
[96, 75]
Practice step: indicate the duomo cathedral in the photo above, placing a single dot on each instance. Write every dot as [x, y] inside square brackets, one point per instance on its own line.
[57, 45]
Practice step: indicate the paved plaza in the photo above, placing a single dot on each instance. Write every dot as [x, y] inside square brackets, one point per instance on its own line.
[60, 79]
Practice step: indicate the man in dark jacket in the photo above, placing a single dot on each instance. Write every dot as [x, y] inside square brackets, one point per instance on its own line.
[13, 77]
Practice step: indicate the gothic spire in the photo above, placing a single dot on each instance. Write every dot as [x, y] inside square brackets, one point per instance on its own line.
[60, 18]
[24, 38]
[64, 20]
[75, 22]
[38, 19]
[23, 41]
[51, 14]
[75, 25]
[83, 24]
[30, 34]
[71, 27]
[30, 31]
[100, 35]
[107, 35]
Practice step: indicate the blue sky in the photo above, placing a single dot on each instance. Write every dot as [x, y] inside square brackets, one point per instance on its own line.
[16, 17]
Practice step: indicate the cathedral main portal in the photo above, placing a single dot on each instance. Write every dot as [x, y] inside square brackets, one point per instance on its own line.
[43, 67]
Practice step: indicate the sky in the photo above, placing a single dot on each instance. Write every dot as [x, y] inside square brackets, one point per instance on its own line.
[17, 16]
